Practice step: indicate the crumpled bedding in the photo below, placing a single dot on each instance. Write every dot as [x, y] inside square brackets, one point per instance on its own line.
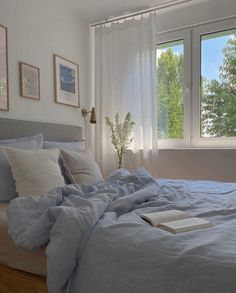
[31, 261]
[99, 244]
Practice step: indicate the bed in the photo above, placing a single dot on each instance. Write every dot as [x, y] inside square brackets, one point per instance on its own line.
[107, 247]
[21, 270]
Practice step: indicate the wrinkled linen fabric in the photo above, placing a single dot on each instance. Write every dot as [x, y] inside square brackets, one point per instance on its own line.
[97, 241]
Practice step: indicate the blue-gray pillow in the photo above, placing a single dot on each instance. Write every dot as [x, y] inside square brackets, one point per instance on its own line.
[7, 184]
[70, 146]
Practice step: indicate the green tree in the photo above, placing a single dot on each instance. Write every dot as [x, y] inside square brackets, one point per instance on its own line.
[170, 95]
[218, 99]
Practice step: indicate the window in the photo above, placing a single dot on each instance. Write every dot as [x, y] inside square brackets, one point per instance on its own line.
[218, 84]
[173, 65]
[196, 86]
[170, 82]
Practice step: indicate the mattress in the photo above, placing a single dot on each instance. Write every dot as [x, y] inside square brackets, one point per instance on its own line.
[31, 261]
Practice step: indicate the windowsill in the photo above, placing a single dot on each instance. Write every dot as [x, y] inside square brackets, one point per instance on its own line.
[196, 148]
[198, 143]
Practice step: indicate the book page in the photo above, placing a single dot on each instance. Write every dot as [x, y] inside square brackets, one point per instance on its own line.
[157, 218]
[185, 225]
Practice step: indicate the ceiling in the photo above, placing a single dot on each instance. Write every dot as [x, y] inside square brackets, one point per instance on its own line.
[97, 10]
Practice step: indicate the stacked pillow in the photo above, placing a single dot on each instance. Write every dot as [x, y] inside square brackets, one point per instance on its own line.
[72, 145]
[7, 185]
[81, 167]
[77, 163]
[37, 171]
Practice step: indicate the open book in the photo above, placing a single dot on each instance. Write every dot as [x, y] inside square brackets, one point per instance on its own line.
[175, 221]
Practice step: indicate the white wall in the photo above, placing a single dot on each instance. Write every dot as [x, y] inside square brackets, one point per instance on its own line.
[213, 164]
[188, 15]
[36, 30]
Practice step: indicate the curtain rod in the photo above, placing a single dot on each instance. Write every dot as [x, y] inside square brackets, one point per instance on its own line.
[153, 9]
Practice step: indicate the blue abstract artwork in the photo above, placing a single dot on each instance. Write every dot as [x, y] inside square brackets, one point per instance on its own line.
[67, 79]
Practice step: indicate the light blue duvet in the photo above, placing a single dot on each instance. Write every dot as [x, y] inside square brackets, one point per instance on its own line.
[97, 243]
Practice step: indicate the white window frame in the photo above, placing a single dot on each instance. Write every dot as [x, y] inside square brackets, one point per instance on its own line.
[192, 77]
[197, 140]
[184, 35]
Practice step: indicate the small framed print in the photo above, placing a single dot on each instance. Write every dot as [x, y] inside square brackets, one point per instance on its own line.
[66, 81]
[4, 86]
[29, 81]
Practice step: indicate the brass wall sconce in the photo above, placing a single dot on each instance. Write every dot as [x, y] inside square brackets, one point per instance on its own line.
[92, 117]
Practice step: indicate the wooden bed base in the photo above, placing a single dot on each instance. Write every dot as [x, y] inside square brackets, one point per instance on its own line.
[15, 281]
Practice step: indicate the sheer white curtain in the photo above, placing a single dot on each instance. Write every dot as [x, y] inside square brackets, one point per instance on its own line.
[125, 81]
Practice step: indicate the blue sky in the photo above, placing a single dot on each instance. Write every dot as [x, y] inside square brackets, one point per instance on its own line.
[212, 55]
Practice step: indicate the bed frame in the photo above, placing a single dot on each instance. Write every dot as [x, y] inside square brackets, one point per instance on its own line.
[12, 280]
[11, 128]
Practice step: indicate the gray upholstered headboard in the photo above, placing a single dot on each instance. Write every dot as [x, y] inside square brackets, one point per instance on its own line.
[11, 128]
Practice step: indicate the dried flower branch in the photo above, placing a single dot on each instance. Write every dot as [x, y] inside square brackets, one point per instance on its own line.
[120, 134]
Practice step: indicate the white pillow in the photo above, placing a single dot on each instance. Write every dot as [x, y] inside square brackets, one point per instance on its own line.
[81, 167]
[7, 184]
[35, 171]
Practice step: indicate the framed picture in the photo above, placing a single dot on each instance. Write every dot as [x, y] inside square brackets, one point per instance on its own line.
[4, 86]
[66, 81]
[29, 81]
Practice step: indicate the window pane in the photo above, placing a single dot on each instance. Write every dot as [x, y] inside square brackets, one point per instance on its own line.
[218, 84]
[170, 75]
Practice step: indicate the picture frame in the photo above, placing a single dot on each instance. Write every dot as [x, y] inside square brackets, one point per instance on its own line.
[66, 82]
[29, 81]
[4, 78]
